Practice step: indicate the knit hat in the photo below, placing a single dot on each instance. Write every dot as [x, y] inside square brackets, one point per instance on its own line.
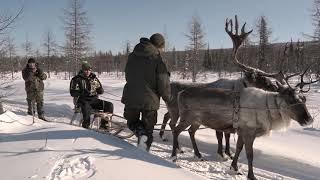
[31, 60]
[85, 66]
[157, 40]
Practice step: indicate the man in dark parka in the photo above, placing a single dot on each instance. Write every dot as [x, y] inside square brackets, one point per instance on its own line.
[147, 79]
[33, 77]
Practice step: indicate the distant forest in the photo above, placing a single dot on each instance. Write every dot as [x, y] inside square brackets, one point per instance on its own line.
[289, 57]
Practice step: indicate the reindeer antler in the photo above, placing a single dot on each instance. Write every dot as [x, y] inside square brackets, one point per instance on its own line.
[237, 40]
[302, 83]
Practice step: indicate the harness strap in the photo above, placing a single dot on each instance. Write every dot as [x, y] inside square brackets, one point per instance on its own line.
[268, 109]
[278, 106]
[236, 109]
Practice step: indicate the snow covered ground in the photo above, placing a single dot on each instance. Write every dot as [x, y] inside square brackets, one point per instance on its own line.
[56, 150]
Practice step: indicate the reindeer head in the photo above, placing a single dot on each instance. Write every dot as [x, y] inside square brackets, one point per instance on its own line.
[295, 104]
[295, 99]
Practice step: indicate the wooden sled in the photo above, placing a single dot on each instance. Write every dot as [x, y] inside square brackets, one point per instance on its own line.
[117, 125]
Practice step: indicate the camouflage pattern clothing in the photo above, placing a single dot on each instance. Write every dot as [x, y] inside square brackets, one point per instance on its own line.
[34, 88]
[86, 91]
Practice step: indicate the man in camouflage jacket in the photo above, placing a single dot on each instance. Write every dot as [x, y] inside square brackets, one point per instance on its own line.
[34, 87]
[147, 80]
[85, 88]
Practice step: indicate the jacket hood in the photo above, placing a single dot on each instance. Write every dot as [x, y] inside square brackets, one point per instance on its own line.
[145, 48]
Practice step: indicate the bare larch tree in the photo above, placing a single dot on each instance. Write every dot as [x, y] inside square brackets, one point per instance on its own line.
[264, 34]
[315, 14]
[77, 33]
[50, 47]
[195, 37]
[27, 47]
[11, 53]
[6, 22]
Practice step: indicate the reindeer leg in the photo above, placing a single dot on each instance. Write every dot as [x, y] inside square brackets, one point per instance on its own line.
[192, 130]
[164, 123]
[219, 136]
[227, 150]
[248, 141]
[239, 147]
[174, 119]
[175, 133]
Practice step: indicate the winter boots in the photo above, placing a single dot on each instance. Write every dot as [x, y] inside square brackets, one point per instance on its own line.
[31, 109]
[144, 142]
[41, 116]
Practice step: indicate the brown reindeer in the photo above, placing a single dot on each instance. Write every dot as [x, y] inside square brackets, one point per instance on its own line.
[251, 112]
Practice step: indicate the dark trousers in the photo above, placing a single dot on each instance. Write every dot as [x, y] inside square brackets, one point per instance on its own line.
[144, 126]
[87, 105]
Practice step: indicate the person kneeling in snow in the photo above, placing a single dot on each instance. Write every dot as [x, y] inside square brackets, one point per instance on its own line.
[86, 87]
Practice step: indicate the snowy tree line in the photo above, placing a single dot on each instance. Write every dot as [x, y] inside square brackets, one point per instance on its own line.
[197, 57]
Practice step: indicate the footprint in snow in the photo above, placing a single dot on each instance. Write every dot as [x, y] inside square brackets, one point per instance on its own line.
[73, 168]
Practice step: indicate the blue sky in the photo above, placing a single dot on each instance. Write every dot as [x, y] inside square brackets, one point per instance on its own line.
[117, 21]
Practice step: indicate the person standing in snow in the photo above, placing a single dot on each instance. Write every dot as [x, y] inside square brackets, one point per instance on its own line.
[147, 79]
[33, 77]
[85, 88]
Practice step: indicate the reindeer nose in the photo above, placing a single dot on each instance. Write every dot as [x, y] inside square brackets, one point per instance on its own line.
[308, 121]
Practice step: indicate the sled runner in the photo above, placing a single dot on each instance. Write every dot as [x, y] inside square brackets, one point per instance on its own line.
[116, 125]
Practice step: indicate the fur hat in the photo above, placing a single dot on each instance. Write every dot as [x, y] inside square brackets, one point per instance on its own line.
[85, 66]
[157, 40]
[31, 60]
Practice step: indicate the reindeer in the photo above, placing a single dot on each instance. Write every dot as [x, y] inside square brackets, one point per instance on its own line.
[253, 78]
[251, 112]
[248, 81]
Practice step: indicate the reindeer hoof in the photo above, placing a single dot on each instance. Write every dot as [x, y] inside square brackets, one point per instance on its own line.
[234, 172]
[164, 139]
[234, 168]
[180, 151]
[230, 154]
[252, 178]
[173, 158]
[222, 157]
[198, 156]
